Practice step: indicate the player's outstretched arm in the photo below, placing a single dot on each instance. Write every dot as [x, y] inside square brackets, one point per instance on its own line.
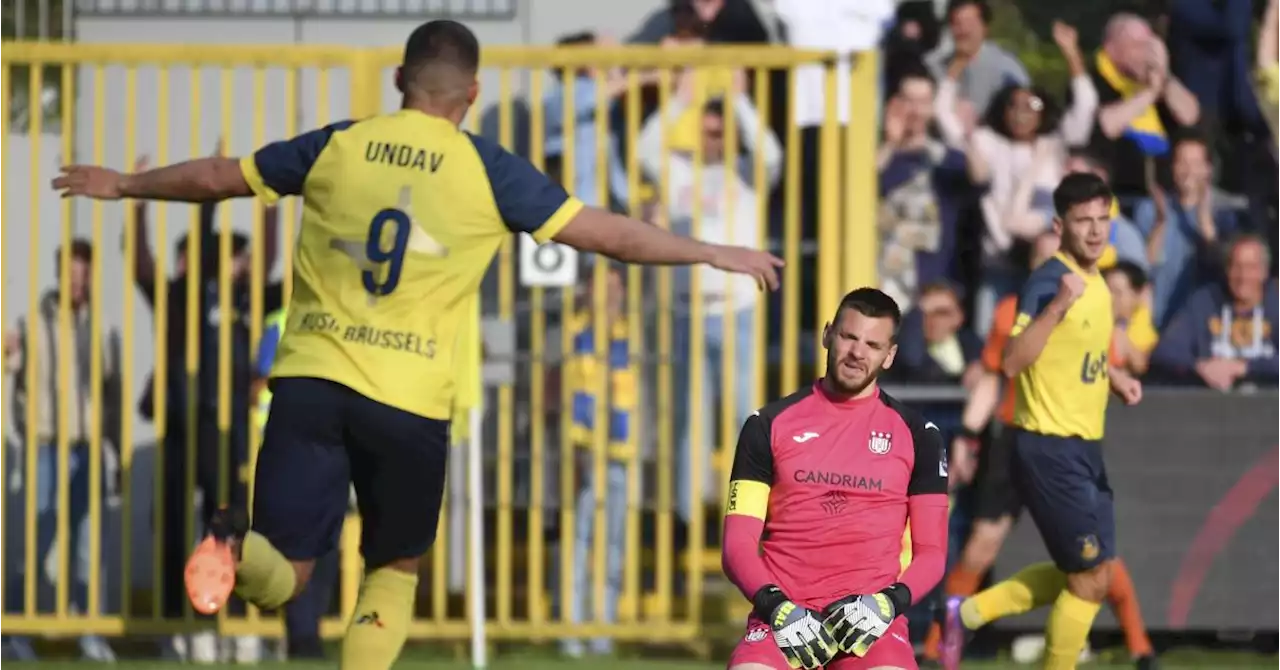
[1041, 307]
[199, 180]
[632, 241]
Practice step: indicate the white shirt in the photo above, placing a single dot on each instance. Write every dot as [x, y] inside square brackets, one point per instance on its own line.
[845, 26]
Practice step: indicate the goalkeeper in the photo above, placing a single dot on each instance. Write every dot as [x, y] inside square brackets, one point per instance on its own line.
[829, 477]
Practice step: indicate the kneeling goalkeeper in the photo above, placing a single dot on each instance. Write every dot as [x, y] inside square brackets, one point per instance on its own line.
[831, 477]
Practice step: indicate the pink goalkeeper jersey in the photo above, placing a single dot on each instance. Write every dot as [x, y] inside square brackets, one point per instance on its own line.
[838, 476]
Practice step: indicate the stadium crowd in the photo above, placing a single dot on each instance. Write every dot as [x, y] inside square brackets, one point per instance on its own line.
[970, 150]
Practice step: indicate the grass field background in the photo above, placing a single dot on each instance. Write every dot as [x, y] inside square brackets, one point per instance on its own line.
[420, 660]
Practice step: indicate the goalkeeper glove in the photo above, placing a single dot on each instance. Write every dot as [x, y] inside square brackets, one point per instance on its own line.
[856, 622]
[798, 631]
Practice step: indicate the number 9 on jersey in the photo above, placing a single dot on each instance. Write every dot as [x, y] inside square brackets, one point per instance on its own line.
[383, 278]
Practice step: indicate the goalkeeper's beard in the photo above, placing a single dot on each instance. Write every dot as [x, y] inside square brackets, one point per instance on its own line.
[848, 387]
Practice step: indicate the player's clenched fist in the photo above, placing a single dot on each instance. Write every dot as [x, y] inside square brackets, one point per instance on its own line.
[856, 622]
[1070, 288]
[797, 630]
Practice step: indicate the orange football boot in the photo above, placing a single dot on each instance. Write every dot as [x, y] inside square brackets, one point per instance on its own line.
[211, 571]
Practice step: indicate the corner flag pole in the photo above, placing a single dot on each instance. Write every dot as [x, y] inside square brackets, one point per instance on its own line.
[475, 528]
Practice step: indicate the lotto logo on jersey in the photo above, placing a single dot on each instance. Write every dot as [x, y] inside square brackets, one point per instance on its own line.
[1094, 367]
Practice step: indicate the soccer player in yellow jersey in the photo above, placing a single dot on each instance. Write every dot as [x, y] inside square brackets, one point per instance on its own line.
[1057, 351]
[402, 214]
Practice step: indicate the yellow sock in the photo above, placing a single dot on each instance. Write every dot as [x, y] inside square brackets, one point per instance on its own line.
[1034, 586]
[381, 620]
[264, 576]
[1067, 630]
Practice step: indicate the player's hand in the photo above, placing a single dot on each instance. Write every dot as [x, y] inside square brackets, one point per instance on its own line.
[856, 622]
[798, 631]
[1127, 388]
[1070, 288]
[92, 181]
[761, 265]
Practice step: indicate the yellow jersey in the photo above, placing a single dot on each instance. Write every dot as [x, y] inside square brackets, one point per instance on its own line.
[1064, 392]
[402, 215]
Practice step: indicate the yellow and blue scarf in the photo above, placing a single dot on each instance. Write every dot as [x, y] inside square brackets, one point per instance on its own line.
[1146, 130]
[622, 395]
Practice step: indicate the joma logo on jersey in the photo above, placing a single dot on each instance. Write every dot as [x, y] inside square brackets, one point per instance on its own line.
[1094, 367]
[840, 479]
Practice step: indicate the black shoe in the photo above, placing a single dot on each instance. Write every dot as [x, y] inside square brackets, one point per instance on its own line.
[1147, 662]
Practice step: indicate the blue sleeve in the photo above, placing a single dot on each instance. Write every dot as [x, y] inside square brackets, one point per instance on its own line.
[1129, 244]
[1144, 216]
[1040, 288]
[1205, 21]
[1175, 353]
[281, 168]
[528, 201]
[267, 350]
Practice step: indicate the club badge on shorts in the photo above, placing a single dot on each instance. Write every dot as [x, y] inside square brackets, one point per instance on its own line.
[880, 443]
[1089, 547]
[757, 633]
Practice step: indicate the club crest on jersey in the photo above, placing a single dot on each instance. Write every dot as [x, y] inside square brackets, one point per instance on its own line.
[880, 443]
[757, 633]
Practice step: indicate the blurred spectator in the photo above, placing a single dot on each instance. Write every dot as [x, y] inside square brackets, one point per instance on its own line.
[1269, 99]
[932, 346]
[586, 169]
[727, 203]
[923, 188]
[1134, 336]
[980, 68]
[62, 399]
[1019, 153]
[1225, 337]
[302, 614]
[622, 397]
[1183, 229]
[1126, 242]
[1142, 103]
[730, 21]
[1209, 44]
[914, 34]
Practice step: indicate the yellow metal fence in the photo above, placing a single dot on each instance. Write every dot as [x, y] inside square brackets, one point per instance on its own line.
[117, 103]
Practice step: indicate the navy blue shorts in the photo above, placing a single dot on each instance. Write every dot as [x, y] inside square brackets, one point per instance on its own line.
[1063, 484]
[321, 437]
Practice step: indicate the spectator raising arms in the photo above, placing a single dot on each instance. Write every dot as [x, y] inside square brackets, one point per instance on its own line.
[1227, 337]
[923, 188]
[1019, 152]
[1183, 229]
[980, 68]
[1142, 104]
[727, 202]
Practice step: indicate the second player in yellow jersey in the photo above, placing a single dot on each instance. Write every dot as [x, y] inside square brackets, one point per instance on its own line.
[1058, 354]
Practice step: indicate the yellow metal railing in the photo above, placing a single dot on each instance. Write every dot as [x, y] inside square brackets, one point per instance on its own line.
[171, 102]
